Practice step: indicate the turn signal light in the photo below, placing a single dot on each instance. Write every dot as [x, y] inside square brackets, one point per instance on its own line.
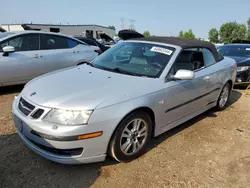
[90, 135]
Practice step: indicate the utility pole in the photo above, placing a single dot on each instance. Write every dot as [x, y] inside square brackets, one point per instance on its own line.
[122, 23]
[132, 24]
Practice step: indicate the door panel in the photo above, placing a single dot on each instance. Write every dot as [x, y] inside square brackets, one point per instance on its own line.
[212, 71]
[57, 52]
[23, 64]
[184, 98]
[20, 66]
[85, 53]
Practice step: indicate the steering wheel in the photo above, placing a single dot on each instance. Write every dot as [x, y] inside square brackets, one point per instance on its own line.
[156, 65]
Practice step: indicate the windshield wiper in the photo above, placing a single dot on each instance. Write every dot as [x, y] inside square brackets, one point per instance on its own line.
[90, 64]
[122, 71]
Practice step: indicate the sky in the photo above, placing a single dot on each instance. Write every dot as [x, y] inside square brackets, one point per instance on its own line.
[160, 17]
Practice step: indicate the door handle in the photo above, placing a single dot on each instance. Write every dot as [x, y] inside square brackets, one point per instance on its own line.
[206, 78]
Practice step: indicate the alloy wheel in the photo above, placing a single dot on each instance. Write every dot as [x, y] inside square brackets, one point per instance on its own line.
[133, 136]
[224, 96]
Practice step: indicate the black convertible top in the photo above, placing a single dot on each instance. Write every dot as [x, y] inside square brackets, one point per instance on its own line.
[184, 43]
[127, 34]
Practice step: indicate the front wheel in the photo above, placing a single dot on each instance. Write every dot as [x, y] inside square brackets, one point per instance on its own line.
[131, 137]
[224, 97]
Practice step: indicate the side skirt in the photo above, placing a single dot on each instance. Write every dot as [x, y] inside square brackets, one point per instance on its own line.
[184, 119]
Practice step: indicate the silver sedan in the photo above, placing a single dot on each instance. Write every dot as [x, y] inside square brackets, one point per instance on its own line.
[114, 105]
[25, 55]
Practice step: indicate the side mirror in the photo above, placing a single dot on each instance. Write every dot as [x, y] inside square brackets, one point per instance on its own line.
[7, 50]
[184, 75]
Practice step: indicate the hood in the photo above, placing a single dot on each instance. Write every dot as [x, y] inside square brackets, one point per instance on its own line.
[129, 34]
[2, 30]
[241, 61]
[86, 87]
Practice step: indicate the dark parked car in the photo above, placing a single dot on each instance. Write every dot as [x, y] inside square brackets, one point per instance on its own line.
[241, 54]
[92, 42]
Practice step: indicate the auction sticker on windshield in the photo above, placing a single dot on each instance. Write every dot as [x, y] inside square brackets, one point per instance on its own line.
[161, 50]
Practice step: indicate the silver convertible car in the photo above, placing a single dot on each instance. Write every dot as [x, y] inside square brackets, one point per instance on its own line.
[136, 90]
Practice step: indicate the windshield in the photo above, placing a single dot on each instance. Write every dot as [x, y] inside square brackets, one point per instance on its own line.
[241, 51]
[135, 58]
[5, 34]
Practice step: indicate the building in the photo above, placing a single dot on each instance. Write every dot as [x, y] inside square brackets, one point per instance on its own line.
[90, 30]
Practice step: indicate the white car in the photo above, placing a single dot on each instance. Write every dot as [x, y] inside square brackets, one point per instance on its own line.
[25, 55]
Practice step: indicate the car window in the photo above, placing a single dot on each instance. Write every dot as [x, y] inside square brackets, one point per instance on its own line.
[235, 50]
[208, 57]
[50, 42]
[88, 41]
[136, 58]
[188, 59]
[72, 43]
[23, 43]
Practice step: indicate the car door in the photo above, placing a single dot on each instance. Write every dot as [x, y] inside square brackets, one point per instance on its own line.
[23, 64]
[184, 97]
[58, 52]
[212, 76]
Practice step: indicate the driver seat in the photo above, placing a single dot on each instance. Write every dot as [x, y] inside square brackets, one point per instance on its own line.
[183, 61]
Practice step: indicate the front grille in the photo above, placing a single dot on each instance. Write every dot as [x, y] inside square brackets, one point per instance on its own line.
[25, 107]
[37, 113]
[63, 152]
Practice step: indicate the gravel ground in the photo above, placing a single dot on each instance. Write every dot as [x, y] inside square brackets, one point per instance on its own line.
[211, 150]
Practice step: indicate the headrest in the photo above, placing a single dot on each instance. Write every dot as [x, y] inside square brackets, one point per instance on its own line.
[197, 56]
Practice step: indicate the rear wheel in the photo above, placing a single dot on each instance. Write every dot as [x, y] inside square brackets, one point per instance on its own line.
[131, 137]
[224, 97]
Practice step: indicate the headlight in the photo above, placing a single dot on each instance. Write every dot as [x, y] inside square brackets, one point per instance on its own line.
[243, 68]
[68, 117]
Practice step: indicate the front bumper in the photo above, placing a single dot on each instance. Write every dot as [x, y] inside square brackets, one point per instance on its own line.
[80, 151]
[242, 76]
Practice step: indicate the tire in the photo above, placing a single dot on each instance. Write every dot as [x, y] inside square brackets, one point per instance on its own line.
[121, 137]
[224, 97]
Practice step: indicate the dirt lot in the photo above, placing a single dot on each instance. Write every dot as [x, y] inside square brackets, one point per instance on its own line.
[212, 150]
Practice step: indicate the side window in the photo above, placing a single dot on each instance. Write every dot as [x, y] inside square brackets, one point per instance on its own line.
[92, 43]
[88, 41]
[52, 42]
[23, 43]
[188, 59]
[72, 43]
[208, 57]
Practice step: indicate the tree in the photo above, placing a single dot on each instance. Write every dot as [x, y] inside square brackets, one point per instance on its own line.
[181, 34]
[248, 29]
[112, 27]
[213, 35]
[232, 31]
[187, 34]
[146, 33]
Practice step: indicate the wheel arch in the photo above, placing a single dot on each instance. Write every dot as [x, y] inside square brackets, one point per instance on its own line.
[230, 82]
[148, 110]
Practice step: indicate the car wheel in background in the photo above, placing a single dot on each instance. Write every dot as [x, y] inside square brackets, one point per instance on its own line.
[224, 97]
[131, 137]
